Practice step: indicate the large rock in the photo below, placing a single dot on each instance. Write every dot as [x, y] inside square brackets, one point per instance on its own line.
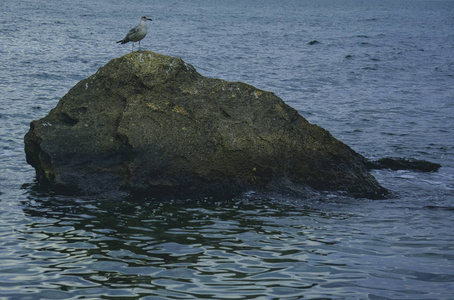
[148, 123]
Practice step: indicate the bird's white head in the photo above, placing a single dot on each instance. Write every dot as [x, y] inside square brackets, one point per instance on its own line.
[144, 18]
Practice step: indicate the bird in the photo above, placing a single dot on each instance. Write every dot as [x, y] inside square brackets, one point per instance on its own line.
[137, 33]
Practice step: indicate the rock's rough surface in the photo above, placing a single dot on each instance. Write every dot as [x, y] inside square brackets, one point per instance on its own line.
[148, 123]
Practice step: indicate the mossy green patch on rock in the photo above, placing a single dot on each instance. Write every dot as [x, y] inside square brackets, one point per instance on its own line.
[149, 123]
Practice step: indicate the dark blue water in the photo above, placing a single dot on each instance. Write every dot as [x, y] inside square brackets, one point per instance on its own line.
[380, 78]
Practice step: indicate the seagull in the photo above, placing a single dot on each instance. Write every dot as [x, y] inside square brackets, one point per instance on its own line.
[137, 33]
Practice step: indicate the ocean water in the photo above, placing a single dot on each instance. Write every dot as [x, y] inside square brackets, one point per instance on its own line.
[378, 74]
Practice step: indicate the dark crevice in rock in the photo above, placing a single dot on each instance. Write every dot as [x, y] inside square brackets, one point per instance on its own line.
[68, 119]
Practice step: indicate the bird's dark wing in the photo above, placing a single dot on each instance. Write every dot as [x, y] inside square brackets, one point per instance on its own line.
[132, 31]
[128, 35]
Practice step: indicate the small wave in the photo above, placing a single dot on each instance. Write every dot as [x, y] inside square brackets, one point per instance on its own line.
[406, 176]
[436, 207]
[7, 153]
[370, 68]
[370, 20]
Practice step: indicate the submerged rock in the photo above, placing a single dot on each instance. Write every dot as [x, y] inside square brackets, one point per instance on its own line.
[314, 42]
[148, 123]
[398, 163]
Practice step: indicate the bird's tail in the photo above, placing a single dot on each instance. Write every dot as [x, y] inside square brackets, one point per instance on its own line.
[122, 42]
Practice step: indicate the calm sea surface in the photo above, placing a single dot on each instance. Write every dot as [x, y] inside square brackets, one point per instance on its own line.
[379, 75]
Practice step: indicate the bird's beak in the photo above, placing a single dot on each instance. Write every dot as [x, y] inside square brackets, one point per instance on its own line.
[149, 19]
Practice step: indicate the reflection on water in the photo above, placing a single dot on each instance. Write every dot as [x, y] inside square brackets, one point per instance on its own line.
[173, 248]
[248, 248]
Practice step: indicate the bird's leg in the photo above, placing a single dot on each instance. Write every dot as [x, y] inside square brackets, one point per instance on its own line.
[132, 49]
[139, 45]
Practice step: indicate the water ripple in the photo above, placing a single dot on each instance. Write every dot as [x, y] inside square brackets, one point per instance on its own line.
[379, 79]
